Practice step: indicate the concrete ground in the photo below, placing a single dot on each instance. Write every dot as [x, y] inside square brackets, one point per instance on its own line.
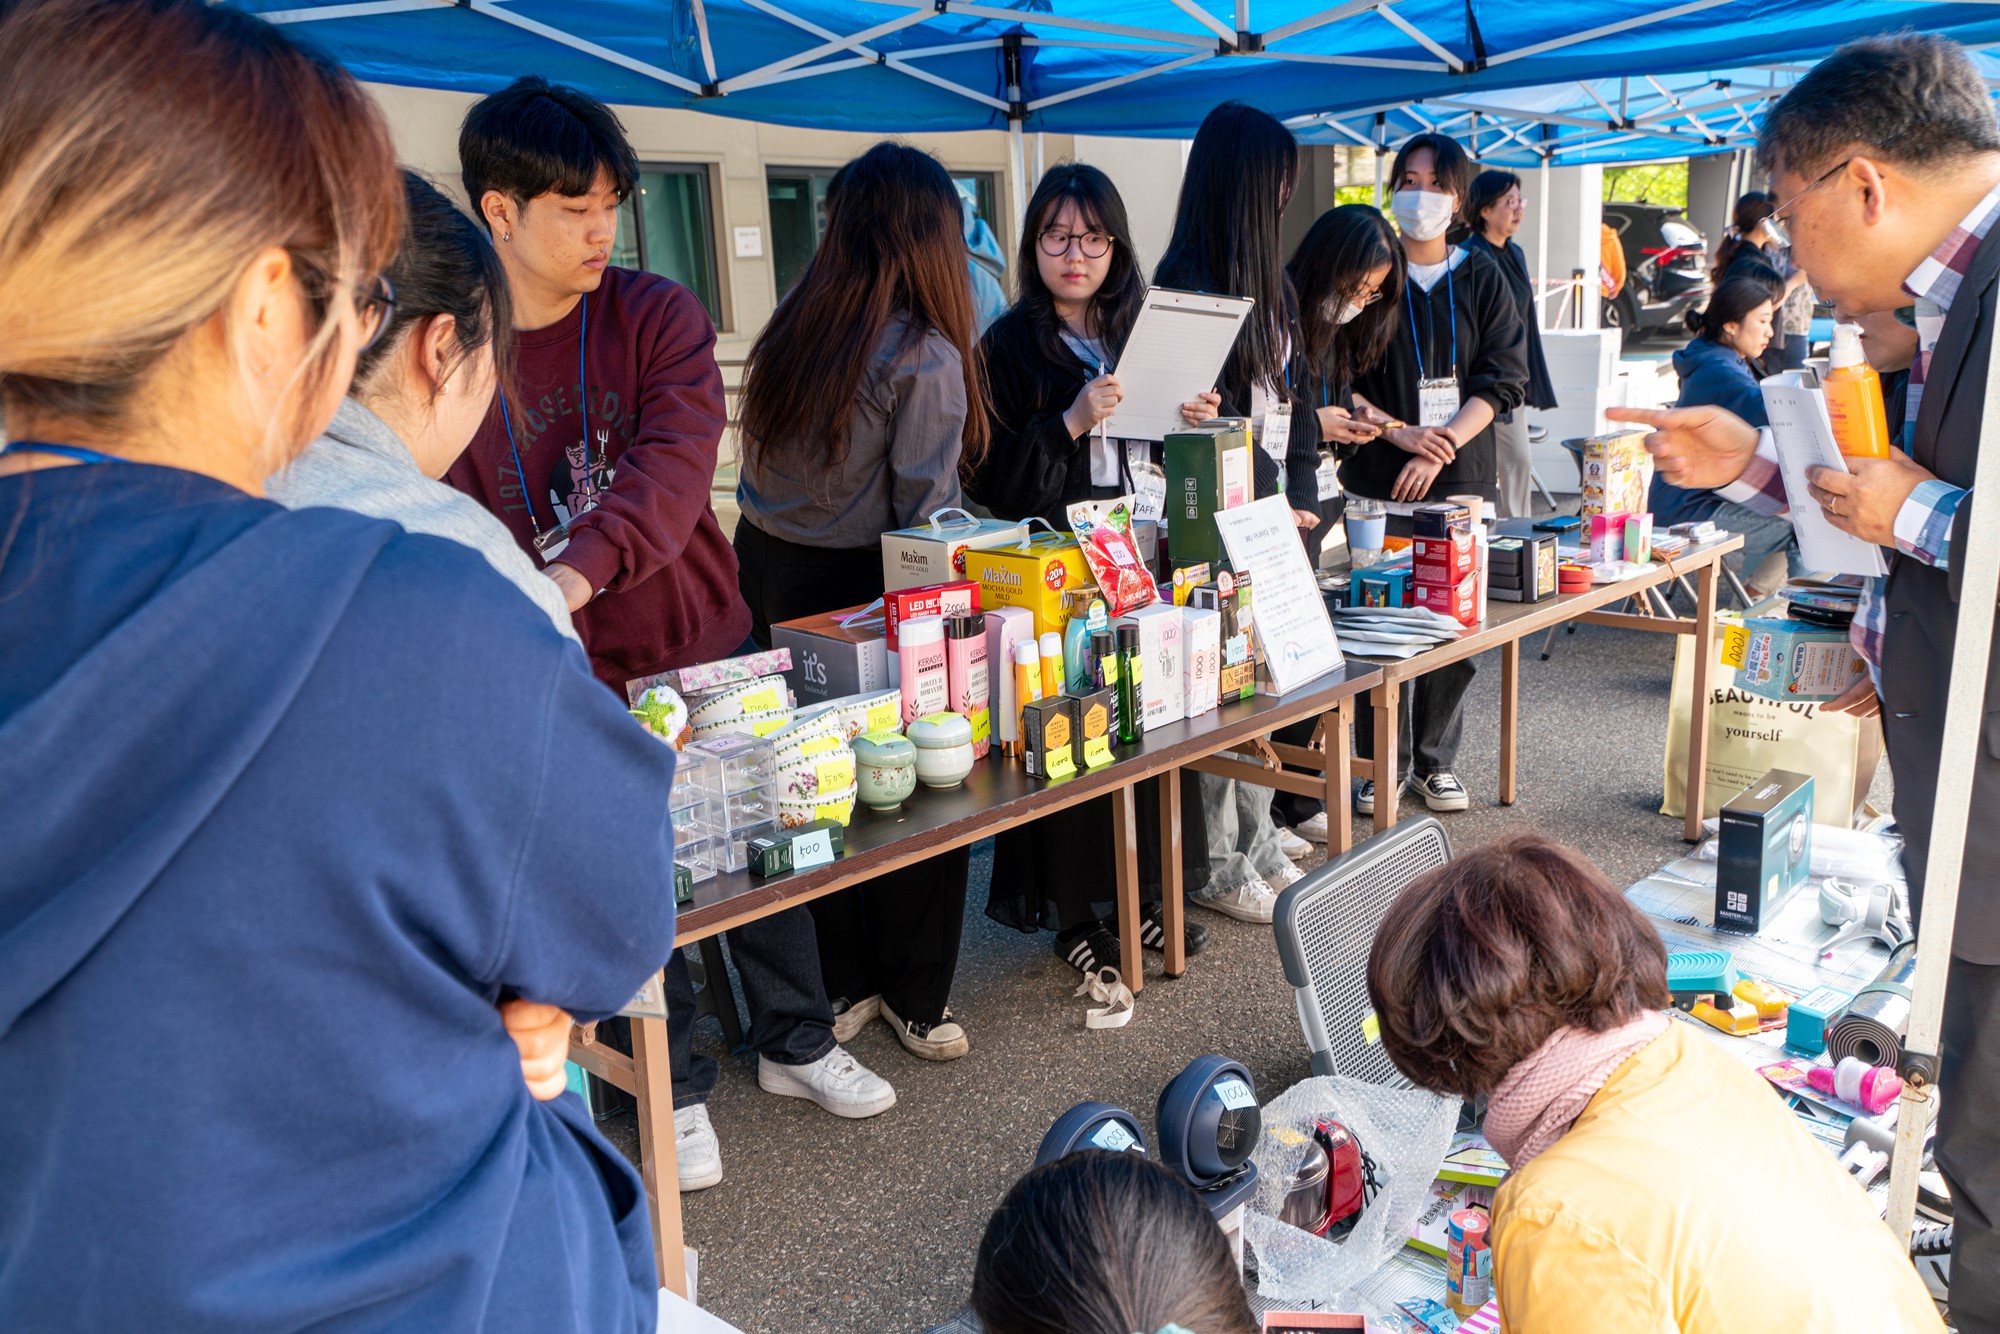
[823, 1224]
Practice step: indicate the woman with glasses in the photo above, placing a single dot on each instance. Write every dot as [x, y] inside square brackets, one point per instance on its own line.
[420, 391]
[1496, 211]
[1048, 366]
[293, 795]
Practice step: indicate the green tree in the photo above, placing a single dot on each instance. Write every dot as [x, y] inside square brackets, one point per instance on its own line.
[1651, 183]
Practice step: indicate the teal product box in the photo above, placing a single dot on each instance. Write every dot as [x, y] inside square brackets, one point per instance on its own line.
[1382, 588]
[1764, 851]
[1806, 1022]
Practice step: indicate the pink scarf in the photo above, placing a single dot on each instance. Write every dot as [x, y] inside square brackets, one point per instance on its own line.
[1542, 1096]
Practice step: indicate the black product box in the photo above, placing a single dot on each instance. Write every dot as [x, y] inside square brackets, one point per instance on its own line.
[1765, 851]
[1049, 737]
[1096, 720]
[1522, 569]
[683, 886]
[1440, 519]
[771, 854]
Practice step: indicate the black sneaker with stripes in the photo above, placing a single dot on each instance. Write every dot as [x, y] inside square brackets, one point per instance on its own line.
[1153, 931]
[1089, 949]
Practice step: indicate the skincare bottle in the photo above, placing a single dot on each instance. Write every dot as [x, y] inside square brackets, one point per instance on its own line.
[969, 683]
[1104, 668]
[1854, 398]
[1027, 678]
[922, 675]
[1051, 664]
[1131, 700]
[1080, 604]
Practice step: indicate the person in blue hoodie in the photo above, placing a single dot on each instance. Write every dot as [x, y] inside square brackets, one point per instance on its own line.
[1715, 371]
[297, 802]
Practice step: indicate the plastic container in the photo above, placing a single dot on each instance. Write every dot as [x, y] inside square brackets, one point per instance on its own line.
[753, 806]
[1854, 398]
[697, 855]
[734, 846]
[690, 821]
[736, 763]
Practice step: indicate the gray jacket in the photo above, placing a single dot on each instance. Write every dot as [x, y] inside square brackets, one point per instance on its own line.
[902, 454]
[361, 464]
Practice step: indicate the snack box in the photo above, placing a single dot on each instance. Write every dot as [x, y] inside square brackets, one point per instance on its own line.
[1447, 559]
[835, 654]
[1162, 648]
[1639, 538]
[1209, 469]
[1460, 601]
[1440, 518]
[1201, 659]
[960, 598]
[1793, 662]
[934, 552]
[1030, 574]
[1617, 472]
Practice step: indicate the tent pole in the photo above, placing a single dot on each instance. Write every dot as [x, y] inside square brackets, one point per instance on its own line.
[1017, 182]
[1964, 709]
[1381, 145]
[1041, 155]
[1542, 239]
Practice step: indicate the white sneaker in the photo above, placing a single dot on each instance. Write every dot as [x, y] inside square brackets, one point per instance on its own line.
[1251, 901]
[836, 1081]
[1291, 844]
[697, 1152]
[848, 1023]
[1290, 875]
[1313, 830]
[944, 1040]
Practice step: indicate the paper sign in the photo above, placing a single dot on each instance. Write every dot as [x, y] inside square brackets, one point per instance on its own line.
[1295, 639]
[1235, 1094]
[650, 1003]
[1804, 439]
[1113, 1136]
[814, 849]
[749, 242]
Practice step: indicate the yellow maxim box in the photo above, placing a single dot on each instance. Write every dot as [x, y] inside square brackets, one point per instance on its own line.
[1031, 575]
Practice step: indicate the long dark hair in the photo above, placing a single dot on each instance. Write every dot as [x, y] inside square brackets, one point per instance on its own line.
[1732, 303]
[1117, 302]
[1326, 270]
[1106, 1243]
[1751, 210]
[1228, 238]
[446, 266]
[894, 244]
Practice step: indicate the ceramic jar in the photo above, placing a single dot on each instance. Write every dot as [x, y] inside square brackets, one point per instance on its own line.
[944, 748]
[885, 769]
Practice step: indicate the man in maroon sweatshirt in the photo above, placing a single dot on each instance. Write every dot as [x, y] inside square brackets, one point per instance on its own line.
[600, 462]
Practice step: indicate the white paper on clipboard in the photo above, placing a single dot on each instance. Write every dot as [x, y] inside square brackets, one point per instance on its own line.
[1804, 438]
[1176, 350]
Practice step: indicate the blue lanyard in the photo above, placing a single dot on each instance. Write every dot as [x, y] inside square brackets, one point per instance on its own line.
[71, 452]
[583, 383]
[1451, 300]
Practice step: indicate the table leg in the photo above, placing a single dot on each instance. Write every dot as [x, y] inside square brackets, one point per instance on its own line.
[1388, 769]
[1125, 847]
[1339, 778]
[1510, 719]
[658, 1165]
[1704, 670]
[1173, 904]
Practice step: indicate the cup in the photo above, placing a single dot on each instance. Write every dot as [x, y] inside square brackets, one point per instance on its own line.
[1367, 528]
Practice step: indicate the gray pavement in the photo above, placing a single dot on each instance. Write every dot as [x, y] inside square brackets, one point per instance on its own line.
[823, 1224]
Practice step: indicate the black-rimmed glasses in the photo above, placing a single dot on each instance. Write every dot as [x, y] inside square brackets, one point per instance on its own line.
[1775, 224]
[1055, 243]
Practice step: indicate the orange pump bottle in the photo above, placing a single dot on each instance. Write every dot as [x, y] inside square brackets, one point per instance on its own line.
[1854, 399]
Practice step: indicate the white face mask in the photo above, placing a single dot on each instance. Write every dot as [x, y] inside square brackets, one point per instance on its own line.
[1423, 215]
[1349, 311]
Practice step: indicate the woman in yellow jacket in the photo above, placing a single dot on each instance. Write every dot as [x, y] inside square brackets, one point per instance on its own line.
[1657, 1183]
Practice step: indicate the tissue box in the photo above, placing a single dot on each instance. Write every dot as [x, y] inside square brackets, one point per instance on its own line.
[1447, 559]
[713, 675]
[1460, 601]
[1005, 627]
[954, 599]
[1201, 659]
[1617, 471]
[1030, 574]
[833, 658]
[934, 552]
[1161, 649]
[1440, 519]
[1790, 661]
[1208, 470]
[1764, 850]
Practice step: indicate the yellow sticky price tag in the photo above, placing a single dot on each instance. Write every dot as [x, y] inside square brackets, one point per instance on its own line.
[820, 745]
[759, 700]
[1110, 671]
[1097, 752]
[1371, 1028]
[835, 775]
[886, 715]
[982, 726]
[768, 726]
[1735, 643]
[1062, 763]
[1138, 670]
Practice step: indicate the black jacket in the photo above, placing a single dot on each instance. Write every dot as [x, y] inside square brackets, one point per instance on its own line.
[1922, 605]
[1514, 267]
[1492, 364]
[1299, 480]
[1033, 465]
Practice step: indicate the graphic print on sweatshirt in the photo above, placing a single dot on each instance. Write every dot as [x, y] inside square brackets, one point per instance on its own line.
[574, 480]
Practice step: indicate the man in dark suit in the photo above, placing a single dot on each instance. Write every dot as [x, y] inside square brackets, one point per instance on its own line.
[1886, 162]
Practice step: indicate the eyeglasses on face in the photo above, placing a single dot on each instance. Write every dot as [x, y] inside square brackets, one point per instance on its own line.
[1055, 243]
[1780, 231]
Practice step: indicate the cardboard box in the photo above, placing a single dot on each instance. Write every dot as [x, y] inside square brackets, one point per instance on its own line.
[1604, 537]
[835, 654]
[1440, 518]
[1764, 851]
[1793, 662]
[1048, 736]
[1201, 656]
[1030, 574]
[1229, 595]
[1005, 627]
[1460, 601]
[960, 598]
[1382, 587]
[1209, 469]
[1445, 560]
[1161, 649]
[1617, 472]
[1639, 538]
[934, 552]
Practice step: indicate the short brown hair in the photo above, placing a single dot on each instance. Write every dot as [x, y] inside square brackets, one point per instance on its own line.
[1481, 960]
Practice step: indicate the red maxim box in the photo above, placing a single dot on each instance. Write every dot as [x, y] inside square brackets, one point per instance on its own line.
[1460, 601]
[1445, 560]
[907, 604]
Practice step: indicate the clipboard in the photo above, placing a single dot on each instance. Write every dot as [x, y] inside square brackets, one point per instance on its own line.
[1176, 350]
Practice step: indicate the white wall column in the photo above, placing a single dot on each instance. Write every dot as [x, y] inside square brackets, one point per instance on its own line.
[1147, 173]
[1711, 195]
[1572, 199]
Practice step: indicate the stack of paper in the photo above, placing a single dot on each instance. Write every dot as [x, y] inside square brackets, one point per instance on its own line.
[1392, 632]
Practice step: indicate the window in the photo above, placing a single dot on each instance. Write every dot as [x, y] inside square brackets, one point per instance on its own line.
[797, 197]
[667, 227]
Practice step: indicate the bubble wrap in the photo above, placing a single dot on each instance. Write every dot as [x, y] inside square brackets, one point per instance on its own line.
[1406, 1132]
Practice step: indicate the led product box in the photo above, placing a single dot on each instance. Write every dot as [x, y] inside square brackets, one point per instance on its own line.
[1764, 850]
[960, 598]
[1161, 647]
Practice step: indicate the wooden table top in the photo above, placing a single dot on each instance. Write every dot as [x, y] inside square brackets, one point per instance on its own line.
[1000, 795]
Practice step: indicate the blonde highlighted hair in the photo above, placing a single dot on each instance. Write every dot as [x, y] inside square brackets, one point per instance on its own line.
[149, 151]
